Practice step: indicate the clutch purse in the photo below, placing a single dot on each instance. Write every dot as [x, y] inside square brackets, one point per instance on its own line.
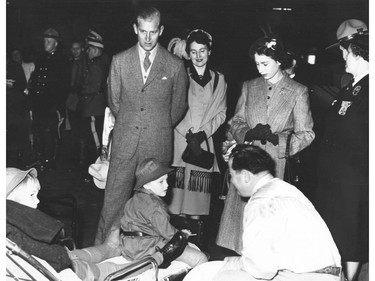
[292, 165]
[204, 160]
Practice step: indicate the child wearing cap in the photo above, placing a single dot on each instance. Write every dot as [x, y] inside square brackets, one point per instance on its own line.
[31, 229]
[145, 225]
[145, 229]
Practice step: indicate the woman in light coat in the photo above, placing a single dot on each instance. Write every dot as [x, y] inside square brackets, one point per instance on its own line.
[270, 108]
[207, 111]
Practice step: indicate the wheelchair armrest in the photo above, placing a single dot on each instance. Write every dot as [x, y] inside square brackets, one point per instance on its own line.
[132, 267]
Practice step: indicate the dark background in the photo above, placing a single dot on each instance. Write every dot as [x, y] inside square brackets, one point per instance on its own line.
[233, 24]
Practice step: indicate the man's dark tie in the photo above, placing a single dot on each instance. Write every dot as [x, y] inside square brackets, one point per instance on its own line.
[147, 62]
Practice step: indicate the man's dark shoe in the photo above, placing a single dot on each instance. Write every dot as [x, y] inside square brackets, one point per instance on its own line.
[173, 249]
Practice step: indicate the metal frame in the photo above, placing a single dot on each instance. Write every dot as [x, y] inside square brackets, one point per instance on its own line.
[132, 267]
[14, 249]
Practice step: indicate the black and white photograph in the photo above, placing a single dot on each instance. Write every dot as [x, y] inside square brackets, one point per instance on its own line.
[187, 140]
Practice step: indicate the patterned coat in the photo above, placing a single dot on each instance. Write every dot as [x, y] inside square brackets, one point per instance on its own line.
[288, 110]
[146, 111]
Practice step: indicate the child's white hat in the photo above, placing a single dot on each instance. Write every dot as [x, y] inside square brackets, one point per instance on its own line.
[16, 176]
[99, 171]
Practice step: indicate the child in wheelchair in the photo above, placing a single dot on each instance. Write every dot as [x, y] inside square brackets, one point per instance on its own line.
[144, 231]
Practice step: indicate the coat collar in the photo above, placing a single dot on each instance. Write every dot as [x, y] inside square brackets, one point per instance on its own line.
[135, 65]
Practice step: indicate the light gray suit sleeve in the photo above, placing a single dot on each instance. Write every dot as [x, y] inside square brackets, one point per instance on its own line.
[114, 86]
[238, 123]
[303, 124]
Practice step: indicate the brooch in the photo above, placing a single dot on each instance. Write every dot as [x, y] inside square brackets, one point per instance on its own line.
[271, 44]
[344, 107]
[356, 90]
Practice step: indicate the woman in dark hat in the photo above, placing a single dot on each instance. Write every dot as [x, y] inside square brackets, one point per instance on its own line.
[342, 192]
[270, 108]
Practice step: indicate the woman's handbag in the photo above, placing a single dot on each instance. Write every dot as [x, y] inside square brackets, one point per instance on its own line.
[292, 165]
[204, 160]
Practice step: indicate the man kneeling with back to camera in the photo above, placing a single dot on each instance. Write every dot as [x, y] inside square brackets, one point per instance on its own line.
[284, 237]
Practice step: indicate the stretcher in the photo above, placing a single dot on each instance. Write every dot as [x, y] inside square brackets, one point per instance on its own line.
[24, 267]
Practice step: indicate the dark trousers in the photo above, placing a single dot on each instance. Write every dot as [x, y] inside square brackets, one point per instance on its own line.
[90, 134]
[46, 134]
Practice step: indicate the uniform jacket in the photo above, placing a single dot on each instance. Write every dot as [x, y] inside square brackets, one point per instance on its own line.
[49, 83]
[147, 213]
[214, 116]
[288, 110]
[93, 94]
[78, 68]
[344, 151]
[146, 112]
[36, 233]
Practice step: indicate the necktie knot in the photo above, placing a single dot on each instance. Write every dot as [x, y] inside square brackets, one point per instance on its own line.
[147, 61]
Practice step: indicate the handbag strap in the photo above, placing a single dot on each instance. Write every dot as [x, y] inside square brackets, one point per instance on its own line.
[216, 80]
[208, 146]
[287, 150]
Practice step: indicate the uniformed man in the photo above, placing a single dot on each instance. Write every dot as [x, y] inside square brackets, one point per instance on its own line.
[78, 61]
[93, 98]
[49, 86]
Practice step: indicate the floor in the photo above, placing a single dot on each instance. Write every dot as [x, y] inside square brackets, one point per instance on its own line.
[66, 195]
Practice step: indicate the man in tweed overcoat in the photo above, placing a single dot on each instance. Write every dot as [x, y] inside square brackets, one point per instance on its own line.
[147, 93]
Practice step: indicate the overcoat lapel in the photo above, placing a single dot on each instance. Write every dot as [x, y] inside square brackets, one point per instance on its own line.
[283, 99]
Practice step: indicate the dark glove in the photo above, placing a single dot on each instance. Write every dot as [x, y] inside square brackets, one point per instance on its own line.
[200, 136]
[104, 153]
[274, 139]
[259, 132]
